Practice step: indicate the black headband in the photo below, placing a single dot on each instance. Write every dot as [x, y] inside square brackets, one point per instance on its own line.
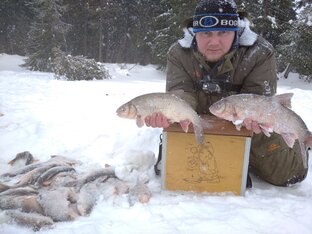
[215, 22]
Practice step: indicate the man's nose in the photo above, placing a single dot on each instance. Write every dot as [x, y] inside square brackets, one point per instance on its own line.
[213, 39]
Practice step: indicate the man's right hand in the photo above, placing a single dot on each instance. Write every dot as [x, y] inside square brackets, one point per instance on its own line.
[157, 120]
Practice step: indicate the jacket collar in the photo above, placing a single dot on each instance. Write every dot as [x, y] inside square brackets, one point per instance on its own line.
[246, 36]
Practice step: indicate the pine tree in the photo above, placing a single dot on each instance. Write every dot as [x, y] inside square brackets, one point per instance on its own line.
[144, 29]
[15, 17]
[169, 26]
[165, 29]
[77, 67]
[47, 32]
[77, 15]
[270, 17]
[296, 48]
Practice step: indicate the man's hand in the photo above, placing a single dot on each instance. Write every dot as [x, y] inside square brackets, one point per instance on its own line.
[157, 120]
[252, 125]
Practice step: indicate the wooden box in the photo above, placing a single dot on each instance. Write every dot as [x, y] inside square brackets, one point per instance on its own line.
[219, 165]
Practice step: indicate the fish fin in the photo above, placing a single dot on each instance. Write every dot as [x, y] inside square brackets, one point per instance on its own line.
[198, 129]
[284, 99]
[238, 126]
[265, 132]
[266, 129]
[139, 122]
[185, 125]
[238, 122]
[289, 138]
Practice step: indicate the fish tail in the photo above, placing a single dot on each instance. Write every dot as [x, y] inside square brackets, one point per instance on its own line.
[199, 132]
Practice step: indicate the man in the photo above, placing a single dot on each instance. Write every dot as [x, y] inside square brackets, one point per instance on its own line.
[220, 56]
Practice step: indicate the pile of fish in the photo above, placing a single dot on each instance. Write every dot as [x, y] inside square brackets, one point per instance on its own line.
[38, 194]
[273, 114]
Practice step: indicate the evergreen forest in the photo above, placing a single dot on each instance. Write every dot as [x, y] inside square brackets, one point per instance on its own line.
[140, 31]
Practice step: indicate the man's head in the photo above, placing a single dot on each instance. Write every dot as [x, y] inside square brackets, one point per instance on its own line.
[215, 24]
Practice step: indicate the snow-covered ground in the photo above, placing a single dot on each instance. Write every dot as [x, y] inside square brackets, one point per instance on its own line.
[77, 119]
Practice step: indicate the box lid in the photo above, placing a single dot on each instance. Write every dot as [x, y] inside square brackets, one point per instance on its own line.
[218, 127]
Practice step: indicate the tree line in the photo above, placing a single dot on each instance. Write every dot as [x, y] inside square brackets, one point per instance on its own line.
[139, 31]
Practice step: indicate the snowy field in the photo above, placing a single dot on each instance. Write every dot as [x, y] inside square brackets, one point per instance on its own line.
[78, 120]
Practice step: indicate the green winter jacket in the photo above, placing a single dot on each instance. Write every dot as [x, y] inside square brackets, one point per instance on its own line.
[251, 68]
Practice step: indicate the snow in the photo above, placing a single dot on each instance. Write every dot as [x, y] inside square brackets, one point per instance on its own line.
[77, 119]
[273, 21]
[248, 37]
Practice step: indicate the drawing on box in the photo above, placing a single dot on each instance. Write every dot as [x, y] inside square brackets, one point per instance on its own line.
[202, 164]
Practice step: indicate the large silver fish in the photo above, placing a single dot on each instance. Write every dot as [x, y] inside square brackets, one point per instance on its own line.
[271, 113]
[170, 105]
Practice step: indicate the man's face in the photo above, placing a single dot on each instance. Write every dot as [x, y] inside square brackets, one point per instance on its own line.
[214, 44]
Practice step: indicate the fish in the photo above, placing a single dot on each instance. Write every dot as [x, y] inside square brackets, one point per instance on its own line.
[22, 170]
[55, 159]
[92, 191]
[140, 192]
[63, 179]
[170, 105]
[45, 177]
[57, 203]
[61, 160]
[32, 176]
[273, 114]
[22, 159]
[28, 178]
[26, 203]
[36, 221]
[87, 198]
[106, 172]
[19, 191]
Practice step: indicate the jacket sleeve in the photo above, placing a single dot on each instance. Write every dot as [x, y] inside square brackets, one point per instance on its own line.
[179, 77]
[262, 77]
